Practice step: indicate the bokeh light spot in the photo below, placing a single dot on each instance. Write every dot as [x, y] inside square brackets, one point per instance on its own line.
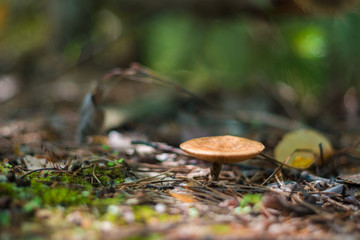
[310, 43]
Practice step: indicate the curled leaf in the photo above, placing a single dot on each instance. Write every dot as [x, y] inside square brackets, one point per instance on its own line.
[302, 161]
[301, 148]
[91, 115]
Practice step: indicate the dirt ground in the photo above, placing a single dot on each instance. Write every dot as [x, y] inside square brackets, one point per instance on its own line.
[134, 182]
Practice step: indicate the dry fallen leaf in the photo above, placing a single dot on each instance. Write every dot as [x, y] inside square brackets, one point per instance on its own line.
[300, 148]
[91, 115]
[183, 196]
[34, 163]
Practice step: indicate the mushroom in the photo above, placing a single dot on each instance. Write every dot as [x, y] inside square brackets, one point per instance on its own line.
[221, 149]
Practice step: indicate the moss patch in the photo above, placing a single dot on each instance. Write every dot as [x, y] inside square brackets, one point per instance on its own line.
[50, 188]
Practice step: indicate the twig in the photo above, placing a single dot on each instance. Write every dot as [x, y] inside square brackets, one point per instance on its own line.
[306, 204]
[205, 195]
[164, 181]
[94, 175]
[39, 170]
[271, 159]
[160, 81]
[160, 147]
[275, 172]
[143, 180]
[102, 159]
[204, 185]
[321, 154]
[241, 174]
[268, 119]
[230, 190]
[333, 202]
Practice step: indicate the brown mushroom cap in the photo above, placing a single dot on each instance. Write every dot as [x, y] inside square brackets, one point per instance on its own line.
[223, 149]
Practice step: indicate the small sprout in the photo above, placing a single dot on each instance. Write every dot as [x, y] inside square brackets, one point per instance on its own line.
[253, 199]
[222, 149]
[119, 161]
[106, 147]
[249, 203]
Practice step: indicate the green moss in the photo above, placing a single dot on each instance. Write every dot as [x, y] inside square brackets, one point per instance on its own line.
[66, 189]
[5, 218]
[116, 174]
[220, 228]
[166, 218]
[40, 194]
[105, 176]
[59, 195]
[143, 213]
[8, 189]
[63, 196]
[5, 169]
[114, 218]
[114, 215]
[89, 171]
[17, 193]
[152, 236]
[35, 203]
[74, 179]
[43, 176]
[102, 203]
[63, 177]
[105, 180]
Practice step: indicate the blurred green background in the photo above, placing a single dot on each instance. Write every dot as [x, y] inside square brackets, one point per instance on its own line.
[308, 56]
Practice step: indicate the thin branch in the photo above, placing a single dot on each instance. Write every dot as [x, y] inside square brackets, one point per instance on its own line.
[275, 172]
[94, 175]
[39, 170]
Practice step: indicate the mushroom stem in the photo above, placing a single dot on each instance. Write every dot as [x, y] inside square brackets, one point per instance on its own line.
[215, 169]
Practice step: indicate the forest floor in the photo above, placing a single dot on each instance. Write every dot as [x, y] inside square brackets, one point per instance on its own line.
[124, 186]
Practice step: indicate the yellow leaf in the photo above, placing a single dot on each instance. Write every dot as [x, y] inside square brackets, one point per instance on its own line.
[302, 162]
[300, 148]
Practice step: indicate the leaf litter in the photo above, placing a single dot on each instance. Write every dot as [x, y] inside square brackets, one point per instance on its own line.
[125, 186]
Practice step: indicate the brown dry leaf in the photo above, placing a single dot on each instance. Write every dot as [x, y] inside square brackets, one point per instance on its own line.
[98, 139]
[183, 196]
[301, 147]
[350, 178]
